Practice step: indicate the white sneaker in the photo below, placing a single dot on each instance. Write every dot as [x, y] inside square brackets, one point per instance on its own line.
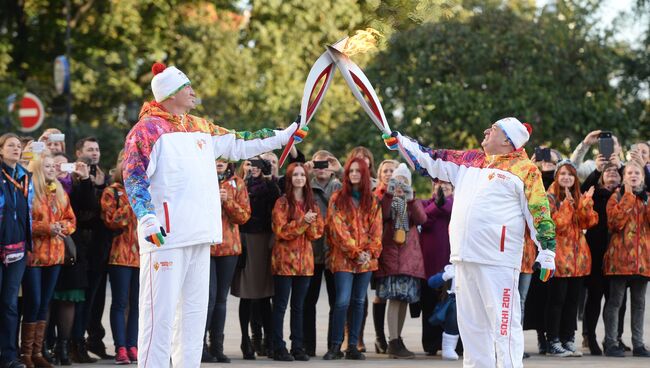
[571, 346]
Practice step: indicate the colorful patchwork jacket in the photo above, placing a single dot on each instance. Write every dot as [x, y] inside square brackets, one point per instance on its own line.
[119, 217]
[628, 252]
[170, 172]
[496, 198]
[530, 253]
[234, 212]
[351, 232]
[49, 250]
[572, 254]
[292, 253]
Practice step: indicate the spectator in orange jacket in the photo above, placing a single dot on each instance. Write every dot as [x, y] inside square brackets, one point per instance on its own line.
[123, 267]
[235, 210]
[354, 223]
[572, 213]
[627, 258]
[52, 220]
[296, 222]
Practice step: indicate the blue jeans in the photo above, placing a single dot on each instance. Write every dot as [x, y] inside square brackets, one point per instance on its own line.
[222, 270]
[351, 289]
[297, 286]
[38, 289]
[125, 286]
[10, 276]
[524, 285]
[451, 318]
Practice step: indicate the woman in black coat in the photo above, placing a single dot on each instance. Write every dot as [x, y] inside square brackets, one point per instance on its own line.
[253, 281]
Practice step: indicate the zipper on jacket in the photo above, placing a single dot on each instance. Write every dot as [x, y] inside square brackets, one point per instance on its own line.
[638, 229]
[167, 225]
[503, 239]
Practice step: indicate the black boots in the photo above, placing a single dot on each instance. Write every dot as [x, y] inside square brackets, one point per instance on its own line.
[378, 317]
[247, 348]
[353, 353]
[216, 348]
[61, 352]
[397, 350]
[282, 355]
[333, 353]
[79, 354]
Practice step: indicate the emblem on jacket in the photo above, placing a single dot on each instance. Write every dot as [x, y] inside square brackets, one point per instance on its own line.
[200, 143]
[492, 175]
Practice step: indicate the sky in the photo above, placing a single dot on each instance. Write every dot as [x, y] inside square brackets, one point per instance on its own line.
[630, 28]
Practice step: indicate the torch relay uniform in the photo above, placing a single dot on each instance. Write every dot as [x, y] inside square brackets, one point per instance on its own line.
[123, 270]
[496, 197]
[170, 173]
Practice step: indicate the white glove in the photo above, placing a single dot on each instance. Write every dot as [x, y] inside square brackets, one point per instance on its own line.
[151, 230]
[286, 133]
[450, 272]
[545, 263]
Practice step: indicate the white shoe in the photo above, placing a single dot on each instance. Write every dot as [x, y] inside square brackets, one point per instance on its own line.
[449, 343]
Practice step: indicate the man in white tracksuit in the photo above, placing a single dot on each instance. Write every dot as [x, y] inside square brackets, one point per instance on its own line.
[171, 180]
[498, 192]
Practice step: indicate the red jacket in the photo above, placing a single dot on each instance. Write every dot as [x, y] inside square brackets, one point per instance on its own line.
[401, 259]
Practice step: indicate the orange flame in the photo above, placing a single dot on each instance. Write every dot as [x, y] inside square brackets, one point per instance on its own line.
[362, 41]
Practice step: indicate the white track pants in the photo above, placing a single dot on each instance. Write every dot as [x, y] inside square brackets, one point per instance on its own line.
[173, 306]
[489, 315]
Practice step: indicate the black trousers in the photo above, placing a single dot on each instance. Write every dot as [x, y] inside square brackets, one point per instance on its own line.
[562, 307]
[309, 309]
[431, 335]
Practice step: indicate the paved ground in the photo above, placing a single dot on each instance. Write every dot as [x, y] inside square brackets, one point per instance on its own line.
[411, 336]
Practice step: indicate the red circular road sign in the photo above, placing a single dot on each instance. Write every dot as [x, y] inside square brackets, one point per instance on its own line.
[30, 112]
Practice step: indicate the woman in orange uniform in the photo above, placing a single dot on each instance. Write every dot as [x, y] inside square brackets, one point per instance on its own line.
[235, 210]
[124, 267]
[572, 213]
[52, 220]
[296, 222]
[354, 223]
[627, 259]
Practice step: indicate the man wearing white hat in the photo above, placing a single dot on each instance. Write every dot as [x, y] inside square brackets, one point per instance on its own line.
[498, 192]
[171, 181]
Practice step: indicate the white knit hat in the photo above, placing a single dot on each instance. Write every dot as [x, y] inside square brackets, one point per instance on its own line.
[517, 132]
[167, 81]
[403, 170]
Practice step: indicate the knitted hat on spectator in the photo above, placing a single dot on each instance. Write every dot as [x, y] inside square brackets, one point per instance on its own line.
[403, 170]
[517, 132]
[167, 81]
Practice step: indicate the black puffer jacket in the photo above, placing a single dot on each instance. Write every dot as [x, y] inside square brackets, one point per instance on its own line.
[262, 194]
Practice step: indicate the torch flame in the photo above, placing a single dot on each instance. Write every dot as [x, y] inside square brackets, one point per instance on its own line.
[362, 41]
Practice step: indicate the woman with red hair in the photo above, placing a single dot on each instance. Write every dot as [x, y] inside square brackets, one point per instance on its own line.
[572, 213]
[354, 223]
[296, 222]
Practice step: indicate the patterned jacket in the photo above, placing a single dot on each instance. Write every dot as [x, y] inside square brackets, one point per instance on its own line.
[350, 233]
[530, 253]
[234, 212]
[170, 172]
[628, 252]
[49, 250]
[292, 253]
[496, 198]
[119, 217]
[572, 254]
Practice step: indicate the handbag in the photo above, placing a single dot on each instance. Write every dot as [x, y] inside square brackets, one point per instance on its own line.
[70, 257]
[439, 314]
